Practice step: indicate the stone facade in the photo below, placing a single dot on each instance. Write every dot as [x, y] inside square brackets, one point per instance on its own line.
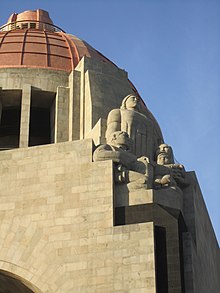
[91, 199]
[57, 229]
[62, 232]
[91, 91]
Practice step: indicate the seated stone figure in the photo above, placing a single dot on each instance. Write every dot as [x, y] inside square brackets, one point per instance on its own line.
[130, 119]
[117, 149]
[167, 173]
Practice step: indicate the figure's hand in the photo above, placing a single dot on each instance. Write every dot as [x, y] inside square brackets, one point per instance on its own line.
[165, 180]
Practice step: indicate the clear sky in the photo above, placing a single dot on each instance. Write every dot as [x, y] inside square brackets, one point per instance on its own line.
[171, 51]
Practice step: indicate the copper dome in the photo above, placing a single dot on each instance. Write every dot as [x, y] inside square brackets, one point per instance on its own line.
[30, 39]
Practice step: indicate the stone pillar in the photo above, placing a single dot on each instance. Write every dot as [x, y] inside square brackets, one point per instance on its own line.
[71, 98]
[25, 115]
[82, 98]
[62, 114]
[74, 109]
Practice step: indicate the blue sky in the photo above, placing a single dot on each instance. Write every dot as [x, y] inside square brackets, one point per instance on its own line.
[170, 50]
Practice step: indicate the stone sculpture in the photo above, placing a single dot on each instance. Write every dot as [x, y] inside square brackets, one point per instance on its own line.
[117, 149]
[167, 173]
[130, 120]
[129, 137]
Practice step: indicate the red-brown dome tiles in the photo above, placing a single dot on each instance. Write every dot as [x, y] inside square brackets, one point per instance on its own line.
[29, 39]
[43, 49]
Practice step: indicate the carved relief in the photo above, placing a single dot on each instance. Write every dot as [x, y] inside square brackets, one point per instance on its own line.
[167, 173]
[129, 139]
[130, 119]
[117, 149]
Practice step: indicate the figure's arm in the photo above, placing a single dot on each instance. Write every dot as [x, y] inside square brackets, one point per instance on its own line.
[105, 152]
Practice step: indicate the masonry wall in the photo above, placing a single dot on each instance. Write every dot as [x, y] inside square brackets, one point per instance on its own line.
[201, 249]
[45, 79]
[56, 223]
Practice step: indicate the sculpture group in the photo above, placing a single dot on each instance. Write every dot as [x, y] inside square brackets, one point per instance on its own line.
[130, 144]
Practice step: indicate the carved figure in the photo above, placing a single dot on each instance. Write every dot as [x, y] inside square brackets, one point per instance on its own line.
[117, 149]
[167, 173]
[130, 119]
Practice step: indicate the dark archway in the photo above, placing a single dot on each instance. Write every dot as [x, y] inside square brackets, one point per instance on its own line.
[9, 284]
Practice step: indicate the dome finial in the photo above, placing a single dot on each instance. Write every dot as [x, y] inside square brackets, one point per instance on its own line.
[30, 19]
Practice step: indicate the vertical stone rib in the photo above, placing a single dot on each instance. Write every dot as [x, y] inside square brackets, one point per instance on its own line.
[62, 115]
[73, 54]
[23, 46]
[2, 40]
[48, 49]
[25, 115]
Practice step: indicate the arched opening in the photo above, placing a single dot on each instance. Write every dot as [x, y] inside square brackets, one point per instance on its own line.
[10, 284]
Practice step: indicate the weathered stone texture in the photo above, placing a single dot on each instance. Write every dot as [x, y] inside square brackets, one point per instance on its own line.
[201, 249]
[15, 78]
[56, 215]
[62, 115]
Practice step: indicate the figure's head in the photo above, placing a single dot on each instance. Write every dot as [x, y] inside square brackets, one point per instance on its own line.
[163, 159]
[164, 155]
[120, 139]
[130, 102]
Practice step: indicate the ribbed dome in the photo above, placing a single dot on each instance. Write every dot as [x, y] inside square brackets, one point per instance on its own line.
[30, 39]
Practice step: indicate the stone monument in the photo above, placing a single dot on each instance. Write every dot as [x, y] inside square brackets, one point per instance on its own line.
[91, 199]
